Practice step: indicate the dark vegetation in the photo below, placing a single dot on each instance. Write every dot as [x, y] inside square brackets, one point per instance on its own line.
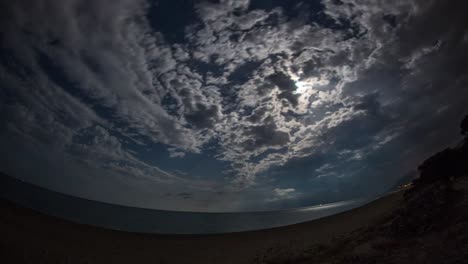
[431, 225]
[443, 167]
[446, 165]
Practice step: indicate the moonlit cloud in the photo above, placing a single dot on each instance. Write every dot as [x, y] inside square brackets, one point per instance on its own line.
[282, 194]
[245, 102]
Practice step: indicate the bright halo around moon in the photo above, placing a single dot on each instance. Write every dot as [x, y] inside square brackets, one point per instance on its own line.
[303, 86]
[307, 85]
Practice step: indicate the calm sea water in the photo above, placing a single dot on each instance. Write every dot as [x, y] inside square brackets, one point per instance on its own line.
[157, 221]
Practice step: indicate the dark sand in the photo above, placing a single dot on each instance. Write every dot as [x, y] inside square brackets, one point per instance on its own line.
[31, 237]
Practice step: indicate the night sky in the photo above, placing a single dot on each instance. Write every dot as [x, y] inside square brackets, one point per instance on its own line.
[228, 105]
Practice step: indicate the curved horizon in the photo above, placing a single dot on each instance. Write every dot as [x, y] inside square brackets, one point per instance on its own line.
[147, 220]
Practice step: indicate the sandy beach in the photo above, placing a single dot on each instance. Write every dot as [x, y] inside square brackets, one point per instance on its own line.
[31, 237]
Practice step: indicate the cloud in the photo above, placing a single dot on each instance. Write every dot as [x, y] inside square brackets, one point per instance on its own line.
[283, 194]
[256, 89]
[174, 153]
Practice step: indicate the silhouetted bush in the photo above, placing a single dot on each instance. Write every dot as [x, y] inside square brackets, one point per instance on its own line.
[447, 164]
[464, 126]
[441, 166]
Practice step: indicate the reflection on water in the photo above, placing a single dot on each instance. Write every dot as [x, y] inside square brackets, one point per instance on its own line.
[157, 221]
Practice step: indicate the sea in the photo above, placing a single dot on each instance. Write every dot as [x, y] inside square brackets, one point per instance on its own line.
[142, 220]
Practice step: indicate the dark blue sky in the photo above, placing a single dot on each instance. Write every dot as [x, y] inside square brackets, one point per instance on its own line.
[228, 105]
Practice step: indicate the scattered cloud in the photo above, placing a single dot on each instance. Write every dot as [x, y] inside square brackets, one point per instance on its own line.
[283, 194]
[257, 89]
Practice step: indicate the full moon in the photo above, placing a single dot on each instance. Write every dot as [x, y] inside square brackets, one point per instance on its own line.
[307, 85]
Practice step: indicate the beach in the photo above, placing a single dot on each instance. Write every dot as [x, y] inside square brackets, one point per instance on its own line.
[31, 237]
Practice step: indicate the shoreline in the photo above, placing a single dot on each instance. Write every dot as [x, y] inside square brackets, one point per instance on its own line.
[25, 231]
[151, 221]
